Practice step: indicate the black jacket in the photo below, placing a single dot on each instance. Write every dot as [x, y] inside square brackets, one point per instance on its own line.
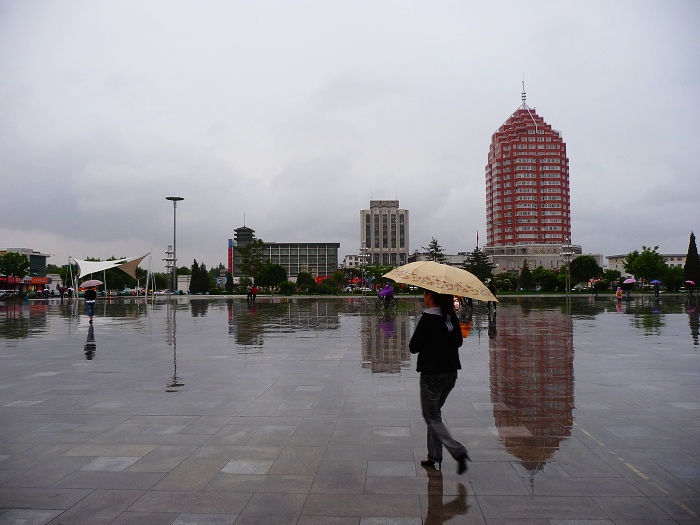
[436, 345]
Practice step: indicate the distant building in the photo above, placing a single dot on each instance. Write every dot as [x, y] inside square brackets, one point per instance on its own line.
[384, 233]
[616, 262]
[528, 213]
[317, 258]
[36, 279]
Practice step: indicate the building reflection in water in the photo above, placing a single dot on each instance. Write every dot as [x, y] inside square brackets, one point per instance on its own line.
[175, 382]
[90, 345]
[249, 323]
[385, 339]
[532, 381]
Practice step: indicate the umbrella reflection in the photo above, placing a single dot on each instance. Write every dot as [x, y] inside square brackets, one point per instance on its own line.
[439, 511]
[532, 383]
[90, 345]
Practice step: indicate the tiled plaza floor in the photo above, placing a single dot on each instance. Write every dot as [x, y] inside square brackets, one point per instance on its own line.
[307, 412]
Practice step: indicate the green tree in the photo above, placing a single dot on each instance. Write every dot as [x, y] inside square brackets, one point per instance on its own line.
[375, 273]
[252, 258]
[195, 281]
[183, 270]
[674, 278]
[525, 281]
[478, 263]
[691, 269]
[505, 281]
[545, 280]
[584, 268]
[229, 282]
[271, 275]
[628, 263]
[205, 280]
[12, 265]
[611, 275]
[435, 252]
[339, 279]
[306, 281]
[649, 264]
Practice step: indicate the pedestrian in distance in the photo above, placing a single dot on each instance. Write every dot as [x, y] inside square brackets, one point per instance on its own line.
[90, 298]
[618, 294]
[436, 340]
[492, 289]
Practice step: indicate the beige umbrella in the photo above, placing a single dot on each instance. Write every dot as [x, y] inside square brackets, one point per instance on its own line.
[441, 278]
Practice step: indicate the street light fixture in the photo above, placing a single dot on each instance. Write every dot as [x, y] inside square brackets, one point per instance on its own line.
[174, 262]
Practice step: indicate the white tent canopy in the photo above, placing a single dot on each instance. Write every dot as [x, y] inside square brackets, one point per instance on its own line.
[127, 265]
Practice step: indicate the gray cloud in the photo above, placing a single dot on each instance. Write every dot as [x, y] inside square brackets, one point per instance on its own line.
[297, 114]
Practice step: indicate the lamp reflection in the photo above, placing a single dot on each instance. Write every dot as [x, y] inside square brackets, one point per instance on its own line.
[532, 382]
[171, 338]
[90, 345]
[439, 511]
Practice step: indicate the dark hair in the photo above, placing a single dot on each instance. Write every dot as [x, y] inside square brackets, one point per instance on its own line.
[444, 301]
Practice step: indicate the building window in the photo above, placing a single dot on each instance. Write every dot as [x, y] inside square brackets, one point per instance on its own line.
[368, 231]
[385, 230]
[376, 231]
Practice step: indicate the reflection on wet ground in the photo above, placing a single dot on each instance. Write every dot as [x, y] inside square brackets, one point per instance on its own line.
[306, 411]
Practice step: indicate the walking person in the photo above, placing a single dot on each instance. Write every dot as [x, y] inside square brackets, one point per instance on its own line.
[618, 294]
[90, 298]
[492, 289]
[436, 340]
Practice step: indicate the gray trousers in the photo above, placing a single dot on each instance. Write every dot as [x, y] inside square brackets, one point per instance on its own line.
[434, 389]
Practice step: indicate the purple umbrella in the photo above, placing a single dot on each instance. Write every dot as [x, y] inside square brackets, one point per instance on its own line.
[655, 281]
[691, 282]
[629, 281]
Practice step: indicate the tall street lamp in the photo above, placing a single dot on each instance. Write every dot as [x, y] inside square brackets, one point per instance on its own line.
[175, 199]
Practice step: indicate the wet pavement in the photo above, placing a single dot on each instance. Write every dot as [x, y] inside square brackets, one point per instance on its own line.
[306, 411]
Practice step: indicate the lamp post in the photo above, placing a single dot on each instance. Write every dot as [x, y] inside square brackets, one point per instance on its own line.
[175, 199]
[568, 254]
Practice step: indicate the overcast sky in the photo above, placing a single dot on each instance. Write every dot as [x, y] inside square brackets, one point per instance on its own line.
[294, 114]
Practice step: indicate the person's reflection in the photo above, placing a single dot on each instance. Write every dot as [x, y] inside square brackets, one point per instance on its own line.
[90, 345]
[694, 322]
[386, 325]
[438, 511]
[493, 332]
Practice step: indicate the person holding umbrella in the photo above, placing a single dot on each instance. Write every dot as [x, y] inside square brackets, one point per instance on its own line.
[90, 298]
[436, 340]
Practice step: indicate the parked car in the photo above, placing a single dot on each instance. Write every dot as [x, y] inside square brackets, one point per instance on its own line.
[6, 294]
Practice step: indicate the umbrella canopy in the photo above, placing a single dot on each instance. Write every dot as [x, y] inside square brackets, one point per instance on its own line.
[441, 278]
[629, 281]
[691, 282]
[90, 283]
[655, 281]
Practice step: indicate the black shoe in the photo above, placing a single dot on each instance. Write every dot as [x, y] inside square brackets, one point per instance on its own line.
[462, 463]
[427, 462]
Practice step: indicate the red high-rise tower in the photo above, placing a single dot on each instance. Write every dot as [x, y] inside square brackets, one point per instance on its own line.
[527, 183]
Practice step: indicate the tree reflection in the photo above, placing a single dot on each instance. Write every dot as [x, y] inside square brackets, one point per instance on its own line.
[694, 322]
